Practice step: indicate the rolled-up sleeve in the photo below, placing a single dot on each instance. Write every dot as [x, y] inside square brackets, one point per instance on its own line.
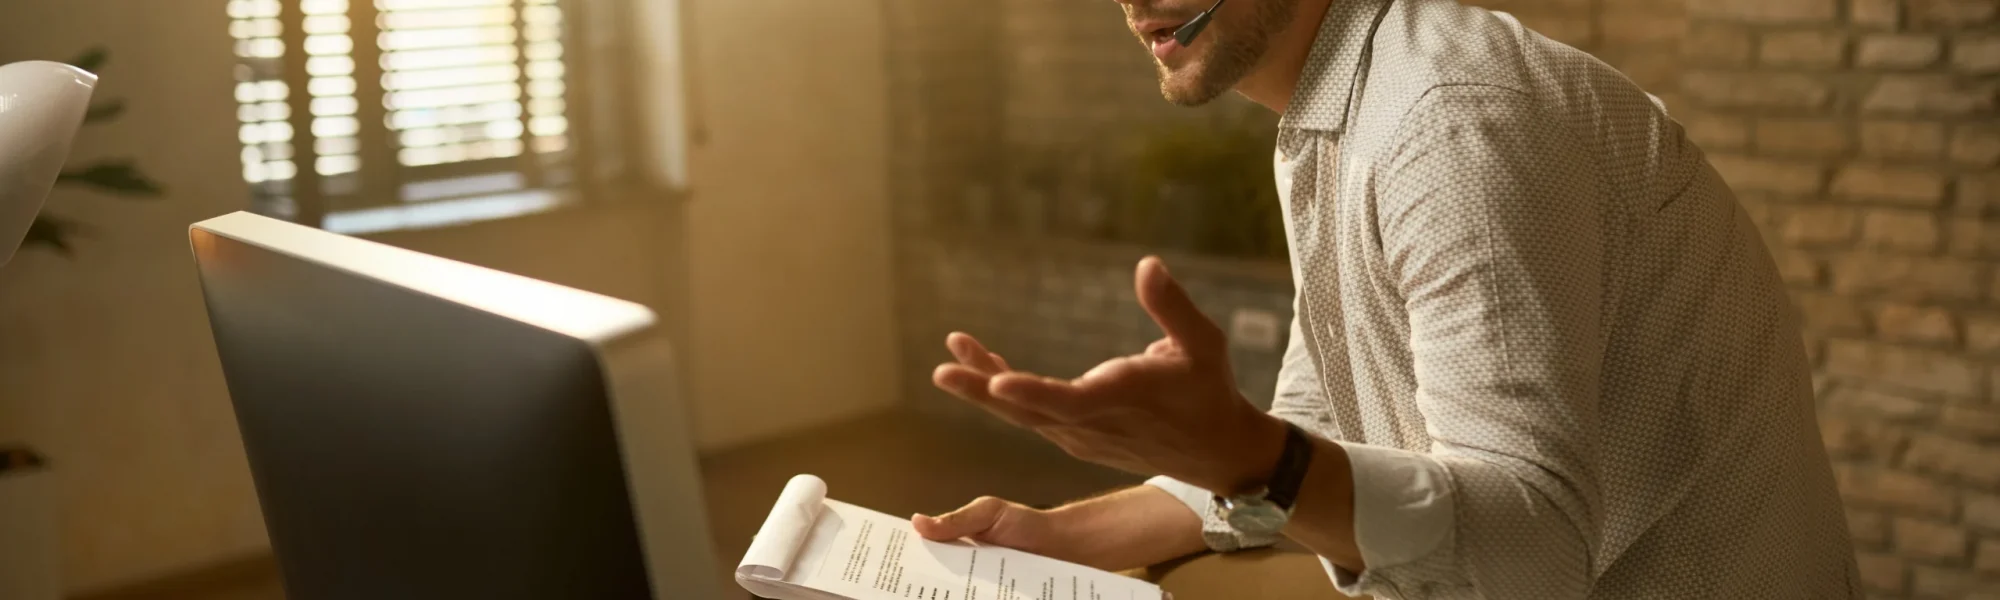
[1490, 227]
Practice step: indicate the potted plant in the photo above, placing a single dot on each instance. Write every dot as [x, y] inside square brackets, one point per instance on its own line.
[117, 176]
[1205, 186]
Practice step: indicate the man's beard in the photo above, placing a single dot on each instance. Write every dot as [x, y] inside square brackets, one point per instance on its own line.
[1231, 53]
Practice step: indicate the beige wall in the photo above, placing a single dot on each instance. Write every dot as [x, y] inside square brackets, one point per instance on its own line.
[788, 226]
[106, 360]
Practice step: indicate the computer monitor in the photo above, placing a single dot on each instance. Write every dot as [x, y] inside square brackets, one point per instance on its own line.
[423, 428]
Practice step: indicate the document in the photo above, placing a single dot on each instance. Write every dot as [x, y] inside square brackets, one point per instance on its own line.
[815, 548]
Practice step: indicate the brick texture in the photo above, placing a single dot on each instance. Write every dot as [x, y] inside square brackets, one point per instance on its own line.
[1862, 439]
[1938, 582]
[1773, 91]
[1972, 423]
[1718, 45]
[1902, 140]
[1803, 49]
[1806, 137]
[1988, 557]
[1916, 324]
[1982, 512]
[1764, 175]
[1896, 491]
[1899, 51]
[1868, 135]
[1891, 185]
[1725, 133]
[1868, 527]
[1906, 278]
[1953, 13]
[1901, 231]
[1882, 572]
[1930, 539]
[1882, 405]
[1834, 315]
[1768, 12]
[1875, 14]
[1976, 54]
[1976, 145]
[1821, 226]
[1929, 94]
[1954, 458]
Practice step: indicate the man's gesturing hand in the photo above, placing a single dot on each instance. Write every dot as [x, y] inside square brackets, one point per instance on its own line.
[1171, 410]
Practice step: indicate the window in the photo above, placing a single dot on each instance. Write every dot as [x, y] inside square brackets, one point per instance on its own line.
[354, 105]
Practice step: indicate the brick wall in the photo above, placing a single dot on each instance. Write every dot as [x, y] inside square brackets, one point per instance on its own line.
[1862, 135]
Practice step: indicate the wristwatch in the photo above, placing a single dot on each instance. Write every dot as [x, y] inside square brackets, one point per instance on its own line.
[1265, 511]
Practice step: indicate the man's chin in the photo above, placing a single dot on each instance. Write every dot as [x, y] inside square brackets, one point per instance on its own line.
[1189, 88]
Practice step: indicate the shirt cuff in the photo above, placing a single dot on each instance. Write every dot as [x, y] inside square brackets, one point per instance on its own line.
[1215, 532]
[1403, 510]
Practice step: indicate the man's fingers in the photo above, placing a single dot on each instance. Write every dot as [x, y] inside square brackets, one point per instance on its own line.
[961, 381]
[974, 387]
[971, 353]
[1034, 391]
[1175, 312]
[971, 520]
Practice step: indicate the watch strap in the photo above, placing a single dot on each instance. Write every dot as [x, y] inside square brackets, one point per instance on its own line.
[1290, 474]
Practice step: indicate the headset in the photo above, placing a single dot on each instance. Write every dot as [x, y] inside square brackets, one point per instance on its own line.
[1186, 34]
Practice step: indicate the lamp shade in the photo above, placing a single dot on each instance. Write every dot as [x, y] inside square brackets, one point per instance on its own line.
[42, 105]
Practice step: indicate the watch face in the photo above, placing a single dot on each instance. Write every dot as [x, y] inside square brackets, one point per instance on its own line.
[1256, 518]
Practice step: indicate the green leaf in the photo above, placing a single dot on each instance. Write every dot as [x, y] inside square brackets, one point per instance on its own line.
[53, 232]
[93, 59]
[115, 176]
[104, 112]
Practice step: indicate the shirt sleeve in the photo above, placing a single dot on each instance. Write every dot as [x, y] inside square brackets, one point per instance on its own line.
[1489, 221]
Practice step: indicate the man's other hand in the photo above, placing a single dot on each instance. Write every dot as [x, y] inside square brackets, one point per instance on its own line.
[1127, 529]
[990, 520]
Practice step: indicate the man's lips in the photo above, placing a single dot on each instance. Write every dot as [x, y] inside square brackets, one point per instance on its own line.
[1159, 34]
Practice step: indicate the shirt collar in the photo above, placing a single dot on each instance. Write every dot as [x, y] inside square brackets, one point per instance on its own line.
[1325, 85]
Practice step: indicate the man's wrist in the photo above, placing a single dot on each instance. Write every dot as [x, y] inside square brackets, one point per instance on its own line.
[1248, 471]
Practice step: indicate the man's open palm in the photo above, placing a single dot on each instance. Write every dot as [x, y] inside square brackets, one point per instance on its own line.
[1173, 409]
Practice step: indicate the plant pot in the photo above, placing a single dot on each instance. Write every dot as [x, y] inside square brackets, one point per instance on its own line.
[29, 567]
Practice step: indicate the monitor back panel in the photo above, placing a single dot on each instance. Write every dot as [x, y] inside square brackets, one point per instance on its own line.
[404, 446]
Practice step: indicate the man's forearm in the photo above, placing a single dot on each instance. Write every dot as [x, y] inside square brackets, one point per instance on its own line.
[1128, 529]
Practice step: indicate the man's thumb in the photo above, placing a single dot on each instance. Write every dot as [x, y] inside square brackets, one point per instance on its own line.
[1174, 311]
[969, 521]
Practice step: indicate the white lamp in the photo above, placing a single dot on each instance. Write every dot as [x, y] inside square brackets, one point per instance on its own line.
[42, 104]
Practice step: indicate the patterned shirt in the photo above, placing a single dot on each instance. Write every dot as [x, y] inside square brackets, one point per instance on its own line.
[1557, 352]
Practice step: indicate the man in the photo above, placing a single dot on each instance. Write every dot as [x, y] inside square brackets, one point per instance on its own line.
[1539, 350]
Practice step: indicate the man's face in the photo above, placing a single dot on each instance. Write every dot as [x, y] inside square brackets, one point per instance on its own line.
[1223, 55]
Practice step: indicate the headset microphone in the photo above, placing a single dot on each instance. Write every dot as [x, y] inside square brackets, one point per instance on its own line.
[1186, 34]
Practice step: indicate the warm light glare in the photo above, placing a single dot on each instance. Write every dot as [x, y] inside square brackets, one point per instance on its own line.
[454, 115]
[412, 60]
[446, 38]
[438, 19]
[461, 80]
[443, 78]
